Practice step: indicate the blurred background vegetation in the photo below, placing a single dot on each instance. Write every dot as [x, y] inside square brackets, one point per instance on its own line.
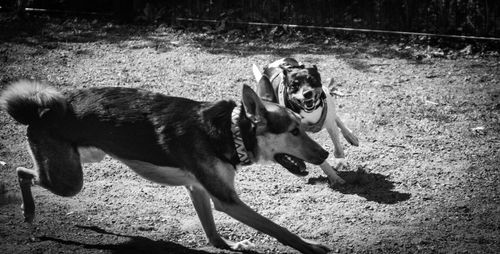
[457, 17]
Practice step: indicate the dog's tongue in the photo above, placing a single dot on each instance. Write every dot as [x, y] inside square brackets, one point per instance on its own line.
[293, 164]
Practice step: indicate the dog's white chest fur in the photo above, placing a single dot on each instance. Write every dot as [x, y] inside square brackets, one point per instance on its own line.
[315, 116]
[311, 117]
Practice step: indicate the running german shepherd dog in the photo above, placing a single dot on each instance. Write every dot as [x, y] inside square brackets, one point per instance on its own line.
[168, 140]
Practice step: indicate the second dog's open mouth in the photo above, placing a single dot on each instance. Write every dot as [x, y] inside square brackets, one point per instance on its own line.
[295, 165]
[309, 104]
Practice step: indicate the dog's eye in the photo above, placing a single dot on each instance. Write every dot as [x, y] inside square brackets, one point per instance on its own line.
[295, 131]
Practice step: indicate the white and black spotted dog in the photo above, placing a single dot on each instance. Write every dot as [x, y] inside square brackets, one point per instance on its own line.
[299, 88]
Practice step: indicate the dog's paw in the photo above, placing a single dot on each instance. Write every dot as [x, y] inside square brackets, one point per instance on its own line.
[339, 164]
[227, 244]
[315, 247]
[335, 181]
[320, 249]
[242, 245]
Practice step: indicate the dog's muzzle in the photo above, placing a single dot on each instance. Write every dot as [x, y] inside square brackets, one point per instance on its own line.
[311, 101]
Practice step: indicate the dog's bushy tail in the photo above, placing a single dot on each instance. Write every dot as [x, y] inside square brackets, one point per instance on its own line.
[29, 102]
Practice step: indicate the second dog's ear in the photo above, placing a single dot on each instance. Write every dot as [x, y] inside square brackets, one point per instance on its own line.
[254, 108]
[265, 89]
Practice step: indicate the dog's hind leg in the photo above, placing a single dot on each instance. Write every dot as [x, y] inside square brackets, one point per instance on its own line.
[56, 167]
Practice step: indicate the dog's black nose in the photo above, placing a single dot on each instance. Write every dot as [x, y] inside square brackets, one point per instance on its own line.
[308, 95]
[320, 156]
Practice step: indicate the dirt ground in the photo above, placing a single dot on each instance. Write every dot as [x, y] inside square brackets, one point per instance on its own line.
[425, 178]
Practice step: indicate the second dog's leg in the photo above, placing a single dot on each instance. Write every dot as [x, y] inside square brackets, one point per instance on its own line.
[26, 179]
[333, 129]
[338, 152]
[330, 171]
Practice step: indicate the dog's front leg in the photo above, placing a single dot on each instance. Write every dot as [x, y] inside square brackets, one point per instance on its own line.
[241, 212]
[331, 173]
[338, 152]
[201, 202]
[333, 130]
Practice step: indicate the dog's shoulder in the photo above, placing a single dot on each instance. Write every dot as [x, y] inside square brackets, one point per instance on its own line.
[219, 111]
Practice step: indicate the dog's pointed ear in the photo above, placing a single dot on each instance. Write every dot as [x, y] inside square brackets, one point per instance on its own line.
[265, 89]
[254, 108]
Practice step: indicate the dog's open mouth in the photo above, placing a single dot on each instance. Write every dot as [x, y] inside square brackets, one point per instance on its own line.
[310, 105]
[295, 165]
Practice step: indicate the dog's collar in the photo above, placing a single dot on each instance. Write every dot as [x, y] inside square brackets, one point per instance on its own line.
[239, 145]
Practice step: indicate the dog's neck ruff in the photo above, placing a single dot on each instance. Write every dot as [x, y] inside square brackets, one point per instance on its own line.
[239, 145]
[312, 127]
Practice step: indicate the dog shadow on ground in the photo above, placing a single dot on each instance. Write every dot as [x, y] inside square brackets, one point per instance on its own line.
[372, 186]
[136, 244]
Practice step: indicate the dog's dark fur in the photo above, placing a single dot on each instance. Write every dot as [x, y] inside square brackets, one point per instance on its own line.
[168, 140]
[304, 94]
